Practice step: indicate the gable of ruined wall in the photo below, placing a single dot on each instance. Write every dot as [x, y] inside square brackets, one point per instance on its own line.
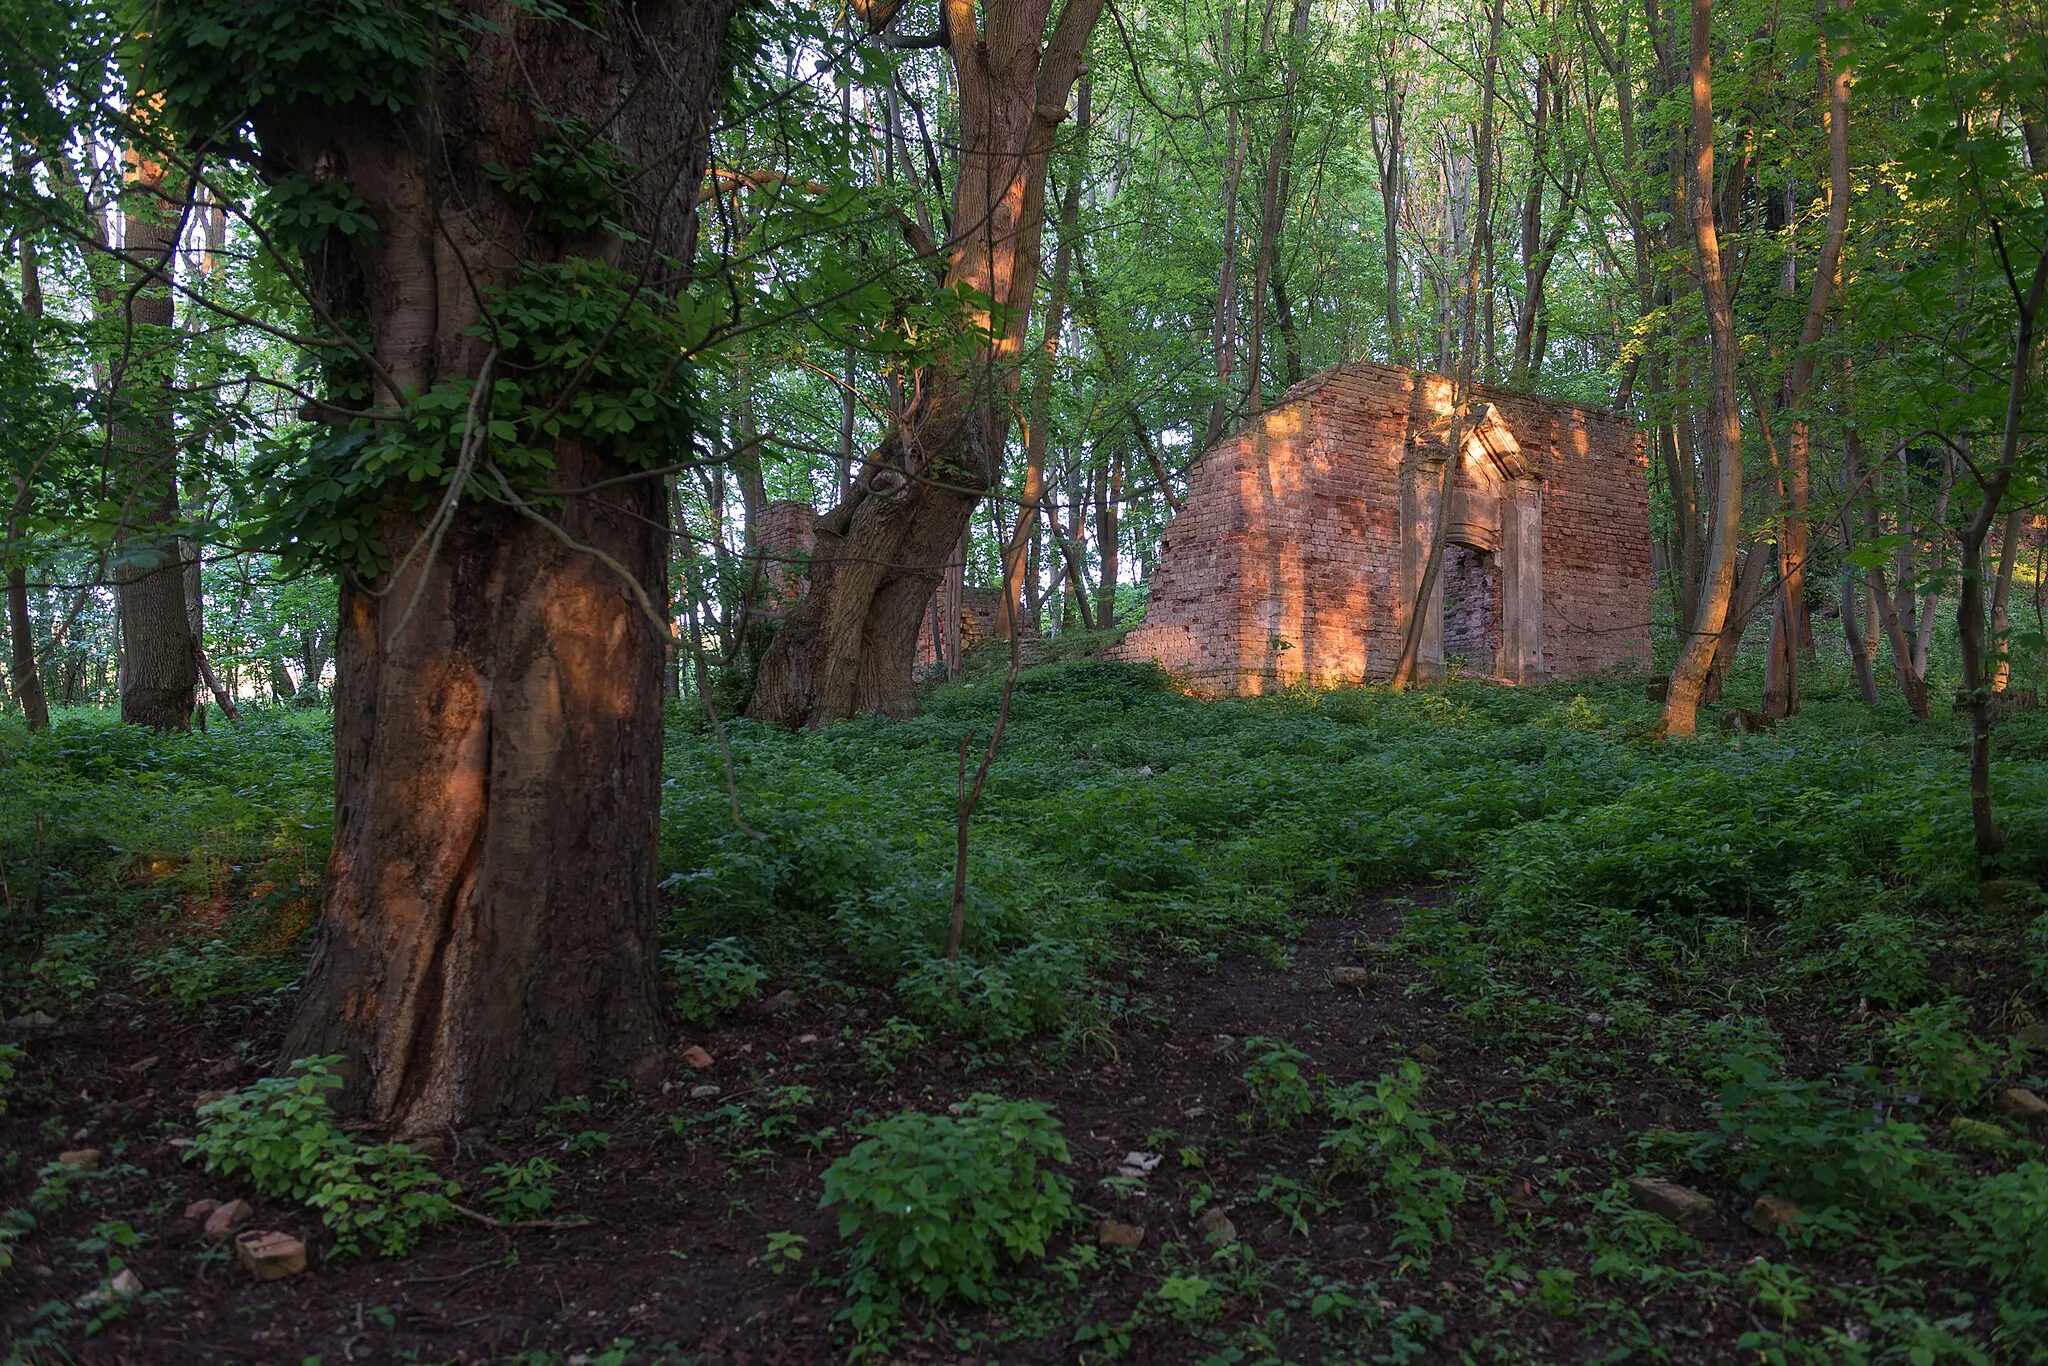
[1596, 534]
[1282, 566]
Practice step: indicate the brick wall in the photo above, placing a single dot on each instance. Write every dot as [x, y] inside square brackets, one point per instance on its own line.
[1284, 563]
[786, 535]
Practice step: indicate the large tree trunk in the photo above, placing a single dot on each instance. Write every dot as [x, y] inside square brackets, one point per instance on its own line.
[488, 928]
[160, 671]
[488, 932]
[1689, 675]
[847, 647]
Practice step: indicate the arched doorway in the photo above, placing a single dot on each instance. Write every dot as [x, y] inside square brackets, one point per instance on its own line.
[1486, 617]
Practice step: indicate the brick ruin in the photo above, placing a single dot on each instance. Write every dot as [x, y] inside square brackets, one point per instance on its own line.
[1297, 554]
[786, 535]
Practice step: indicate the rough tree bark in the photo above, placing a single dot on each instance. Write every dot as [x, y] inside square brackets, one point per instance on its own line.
[1689, 674]
[846, 648]
[488, 927]
[160, 671]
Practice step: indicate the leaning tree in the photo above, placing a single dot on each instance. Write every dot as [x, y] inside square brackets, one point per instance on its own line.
[847, 647]
[487, 208]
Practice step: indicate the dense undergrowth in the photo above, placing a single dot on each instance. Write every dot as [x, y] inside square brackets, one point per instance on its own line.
[1791, 925]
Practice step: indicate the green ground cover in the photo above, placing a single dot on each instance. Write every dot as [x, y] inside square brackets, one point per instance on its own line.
[1790, 927]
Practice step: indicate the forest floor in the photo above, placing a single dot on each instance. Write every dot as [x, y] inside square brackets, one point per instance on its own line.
[690, 1181]
[1306, 1121]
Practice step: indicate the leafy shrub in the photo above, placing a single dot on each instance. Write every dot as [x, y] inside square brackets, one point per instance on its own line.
[195, 977]
[15, 1224]
[523, 1190]
[996, 1002]
[1383, 1133]
[1278, 1084]
[713, 980]
[1828, 1144]
[282, 1135]
[892, 1043]
[10, 1054]
[929, 1203]
[2003, 1227]
[66, 969]
[1937, 1057]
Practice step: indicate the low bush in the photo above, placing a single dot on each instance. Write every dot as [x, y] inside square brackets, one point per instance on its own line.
[1833, 1145]
[931, 1205]
[1276, 1076]
[282, 1136]
[713, 980]
[1382, 1132]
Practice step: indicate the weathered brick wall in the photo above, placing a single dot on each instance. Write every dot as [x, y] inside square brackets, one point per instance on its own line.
[980, 622]
[786, 535]
[1283, 565]
[1596, 534]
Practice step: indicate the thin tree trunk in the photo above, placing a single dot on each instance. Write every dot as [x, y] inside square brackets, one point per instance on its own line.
[213, 685]
[27, 675]
[2001, 597]
[1852, 628]
[1272, 205]
[1388, 151]
[1781, 688]
[1742, 609]
[1896, 630]
[1074, 554]
[1225, 330]
[1854, 636]
[1970, 601]
[1418, 611]
[1106, 538]
[1689, 675]
[1089, 310]
[1532, 210]
[28, 679]
[1041, 380]
[1930, 597]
